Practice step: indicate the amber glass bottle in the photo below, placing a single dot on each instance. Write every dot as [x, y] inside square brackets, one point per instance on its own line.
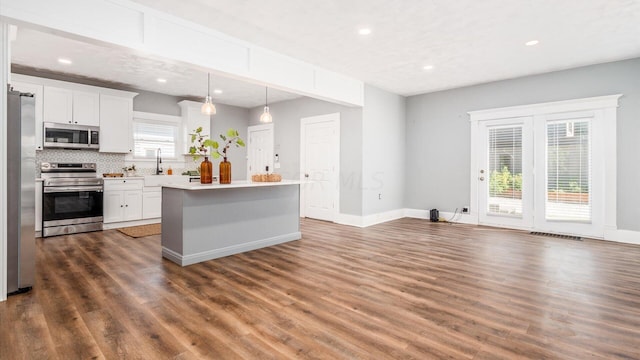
[206, 171]
[225, 172]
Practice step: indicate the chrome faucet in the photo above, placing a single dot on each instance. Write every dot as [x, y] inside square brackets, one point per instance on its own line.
[159, 162]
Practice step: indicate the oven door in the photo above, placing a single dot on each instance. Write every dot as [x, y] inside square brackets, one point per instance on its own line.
[71, 205]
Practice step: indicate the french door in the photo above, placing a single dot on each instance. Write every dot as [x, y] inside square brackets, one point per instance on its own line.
[570, 189]
[505, 174]
[543, 173]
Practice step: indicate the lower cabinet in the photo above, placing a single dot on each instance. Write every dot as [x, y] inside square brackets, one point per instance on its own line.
[152, 202]
[122, 200]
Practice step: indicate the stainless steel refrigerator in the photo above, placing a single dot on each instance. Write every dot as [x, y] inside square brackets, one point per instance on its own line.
[21, 176]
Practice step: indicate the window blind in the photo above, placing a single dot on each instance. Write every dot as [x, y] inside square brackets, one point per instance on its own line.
[505, 171]
[569, 170]
[148, 137]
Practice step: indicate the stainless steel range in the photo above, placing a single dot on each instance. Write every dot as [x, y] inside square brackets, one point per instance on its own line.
[71, 198]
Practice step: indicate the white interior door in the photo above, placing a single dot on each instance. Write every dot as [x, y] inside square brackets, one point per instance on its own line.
[260, 149]
[505, 173]
[319, 166]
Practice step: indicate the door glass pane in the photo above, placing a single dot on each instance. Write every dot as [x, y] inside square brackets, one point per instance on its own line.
[505, 171]
[568, 171]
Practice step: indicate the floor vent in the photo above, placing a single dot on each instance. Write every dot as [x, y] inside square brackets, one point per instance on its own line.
[570, 237]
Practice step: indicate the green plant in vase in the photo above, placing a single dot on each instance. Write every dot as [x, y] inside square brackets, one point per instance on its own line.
[199, 147]
[231, 138]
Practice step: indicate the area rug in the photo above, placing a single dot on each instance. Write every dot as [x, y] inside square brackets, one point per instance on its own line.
[142, 230]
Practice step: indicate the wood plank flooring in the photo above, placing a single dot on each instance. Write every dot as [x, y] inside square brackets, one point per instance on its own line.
[406, 289]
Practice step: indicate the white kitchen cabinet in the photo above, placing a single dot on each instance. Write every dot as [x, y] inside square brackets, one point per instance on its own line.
[58, 105]
[86, 108]
[116, 115]
[192, 118]
[37, 91]
[152, 202]
[122, 200]
[68, 106]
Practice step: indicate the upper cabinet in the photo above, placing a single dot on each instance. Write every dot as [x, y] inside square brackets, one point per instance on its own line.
[116, 114]
[192, 119]
[37, 92]
[70, 103]
[68, 106]
[86, 108]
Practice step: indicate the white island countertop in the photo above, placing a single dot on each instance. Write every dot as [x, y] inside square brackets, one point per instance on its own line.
[233, 185]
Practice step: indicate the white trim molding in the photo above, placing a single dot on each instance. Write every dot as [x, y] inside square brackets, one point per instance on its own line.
[124, 23]
[602, 108]
[622, 236]
[5, 64]
[554, 107]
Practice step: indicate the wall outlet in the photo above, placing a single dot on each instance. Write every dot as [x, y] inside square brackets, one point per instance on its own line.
[465, 209]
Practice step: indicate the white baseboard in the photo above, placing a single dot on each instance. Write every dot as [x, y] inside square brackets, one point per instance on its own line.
[379, 218]
[610, 234]
[117, 225]
[458, 218]
[368, 220]
[622, 236]
[351, 220]
[184, 260]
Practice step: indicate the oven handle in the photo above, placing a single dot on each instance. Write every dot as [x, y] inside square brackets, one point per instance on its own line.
[63, 189]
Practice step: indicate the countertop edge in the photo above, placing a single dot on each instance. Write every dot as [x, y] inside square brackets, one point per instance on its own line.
[233, 185]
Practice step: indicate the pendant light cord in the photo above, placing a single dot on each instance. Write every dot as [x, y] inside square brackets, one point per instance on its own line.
[208, 84]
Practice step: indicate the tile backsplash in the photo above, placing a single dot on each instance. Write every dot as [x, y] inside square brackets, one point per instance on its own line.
[105, 162]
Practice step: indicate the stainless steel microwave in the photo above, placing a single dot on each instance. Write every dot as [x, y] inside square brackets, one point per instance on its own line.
[71, 136]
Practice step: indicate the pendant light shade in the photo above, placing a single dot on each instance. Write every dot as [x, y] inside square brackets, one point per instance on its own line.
[208, 108]
[266, 116]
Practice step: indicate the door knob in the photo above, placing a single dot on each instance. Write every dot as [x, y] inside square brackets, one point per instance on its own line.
[481, 171]
[306, 175]
[481, 178]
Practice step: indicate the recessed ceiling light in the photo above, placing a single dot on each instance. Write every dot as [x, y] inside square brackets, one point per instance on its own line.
[217, 91]
[65, 61]
[161, 80]
[532, 43]
[428, 67]
[364, 31]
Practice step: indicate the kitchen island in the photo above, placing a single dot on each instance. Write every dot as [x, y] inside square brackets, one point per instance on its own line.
[204, 222]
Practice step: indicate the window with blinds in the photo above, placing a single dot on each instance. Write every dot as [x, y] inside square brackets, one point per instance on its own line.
[150, 136]
[505, 171]
[569, 170]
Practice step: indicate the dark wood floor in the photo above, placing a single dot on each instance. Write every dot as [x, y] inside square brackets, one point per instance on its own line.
[404, 289]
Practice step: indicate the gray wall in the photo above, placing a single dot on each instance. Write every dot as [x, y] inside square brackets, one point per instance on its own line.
[286, 123]
[234, 117]
[152, 102]
[438, 131]
[383, 144]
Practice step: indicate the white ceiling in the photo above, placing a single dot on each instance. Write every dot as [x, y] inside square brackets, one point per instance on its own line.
[127, 69]
[466, 41]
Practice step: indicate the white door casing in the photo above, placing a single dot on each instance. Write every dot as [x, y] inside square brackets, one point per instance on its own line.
[600, 112]
[320, 166]
[259, 149]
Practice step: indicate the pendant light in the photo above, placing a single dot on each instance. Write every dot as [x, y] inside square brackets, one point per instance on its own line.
[208, 108]
[266, 116]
